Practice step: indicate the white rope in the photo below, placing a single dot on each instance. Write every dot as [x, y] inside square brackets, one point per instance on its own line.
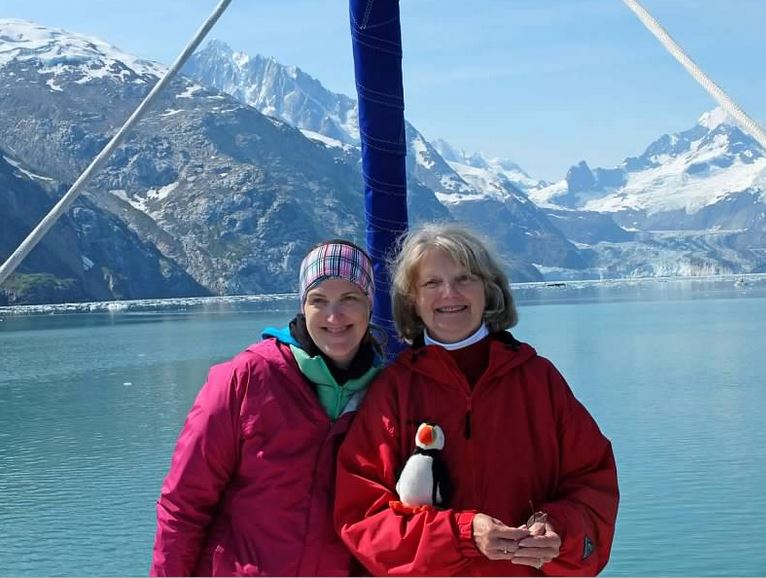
[61, 207]
[745, 122]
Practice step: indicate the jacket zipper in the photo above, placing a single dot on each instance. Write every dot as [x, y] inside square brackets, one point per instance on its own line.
[468, 423]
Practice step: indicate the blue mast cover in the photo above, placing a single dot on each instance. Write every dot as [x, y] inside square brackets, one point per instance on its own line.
[377, 44]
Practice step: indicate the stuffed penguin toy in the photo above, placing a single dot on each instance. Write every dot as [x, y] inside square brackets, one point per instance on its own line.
[424, 480]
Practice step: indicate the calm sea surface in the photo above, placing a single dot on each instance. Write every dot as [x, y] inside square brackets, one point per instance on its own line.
[91, 403]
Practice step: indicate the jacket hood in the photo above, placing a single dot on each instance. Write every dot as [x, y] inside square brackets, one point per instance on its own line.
[281, 334]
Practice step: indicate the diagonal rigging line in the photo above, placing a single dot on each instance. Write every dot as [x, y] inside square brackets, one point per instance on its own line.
[745, 121]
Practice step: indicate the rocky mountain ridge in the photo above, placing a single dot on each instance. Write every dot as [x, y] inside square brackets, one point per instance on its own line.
[231, 177]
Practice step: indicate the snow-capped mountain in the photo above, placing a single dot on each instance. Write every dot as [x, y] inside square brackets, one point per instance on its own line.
[686, 172]
[231, 196]
[705, 184]
[489, 202]
[288, 93]
[284, 92]
[209, 195]
[42, 66]
[486, 172]
[696, 198]
[469, 191]
[54, 51]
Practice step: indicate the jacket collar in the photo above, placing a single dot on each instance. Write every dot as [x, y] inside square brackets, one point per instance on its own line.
[505, 353]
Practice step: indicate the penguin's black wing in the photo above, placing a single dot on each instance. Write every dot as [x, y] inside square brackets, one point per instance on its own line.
[442, 483]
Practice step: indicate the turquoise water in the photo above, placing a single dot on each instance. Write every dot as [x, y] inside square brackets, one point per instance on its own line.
[91, 403]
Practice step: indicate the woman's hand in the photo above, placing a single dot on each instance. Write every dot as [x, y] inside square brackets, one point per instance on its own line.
[496, 540]
[540, 547]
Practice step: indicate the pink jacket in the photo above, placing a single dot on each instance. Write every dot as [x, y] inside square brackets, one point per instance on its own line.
[251, 484]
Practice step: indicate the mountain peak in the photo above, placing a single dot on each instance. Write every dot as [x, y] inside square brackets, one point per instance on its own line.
[218, 45]
[714, 118]
[278, 90]
[59, 50]
[580, 178]
[448, 151]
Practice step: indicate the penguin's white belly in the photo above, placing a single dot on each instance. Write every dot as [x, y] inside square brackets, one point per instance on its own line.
[416, 482]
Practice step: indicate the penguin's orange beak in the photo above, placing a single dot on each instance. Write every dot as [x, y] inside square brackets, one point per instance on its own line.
[426, 435]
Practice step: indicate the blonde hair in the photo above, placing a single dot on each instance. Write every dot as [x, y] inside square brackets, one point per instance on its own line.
[463, 247]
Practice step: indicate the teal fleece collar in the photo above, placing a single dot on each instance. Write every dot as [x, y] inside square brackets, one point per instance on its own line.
[336, 399]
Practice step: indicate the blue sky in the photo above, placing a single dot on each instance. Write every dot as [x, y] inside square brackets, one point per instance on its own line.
[545, 83]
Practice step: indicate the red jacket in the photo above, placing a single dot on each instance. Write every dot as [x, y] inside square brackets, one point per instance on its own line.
[250, 487]
[519, 436]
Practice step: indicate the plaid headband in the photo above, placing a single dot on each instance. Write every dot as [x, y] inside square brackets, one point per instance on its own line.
[336, 260]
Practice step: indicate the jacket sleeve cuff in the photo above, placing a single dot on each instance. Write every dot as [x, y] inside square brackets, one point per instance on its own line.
[466, 545]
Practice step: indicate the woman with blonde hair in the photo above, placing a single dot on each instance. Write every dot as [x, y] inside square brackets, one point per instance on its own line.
[533, 480]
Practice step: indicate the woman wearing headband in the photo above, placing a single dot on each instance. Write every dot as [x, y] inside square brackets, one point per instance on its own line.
[250, 488]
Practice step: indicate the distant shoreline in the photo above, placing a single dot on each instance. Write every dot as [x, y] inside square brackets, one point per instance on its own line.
[639, 280]
[290, 299]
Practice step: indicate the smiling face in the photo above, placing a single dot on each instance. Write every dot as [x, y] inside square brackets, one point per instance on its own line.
[337, 316]
[448, 298]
